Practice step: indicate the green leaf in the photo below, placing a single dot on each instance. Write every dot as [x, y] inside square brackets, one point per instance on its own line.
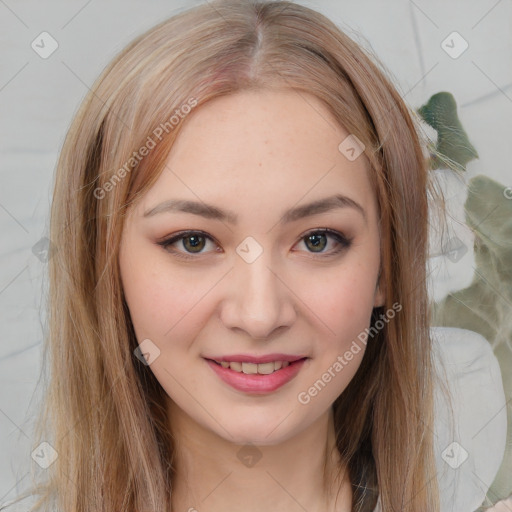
[440, 112]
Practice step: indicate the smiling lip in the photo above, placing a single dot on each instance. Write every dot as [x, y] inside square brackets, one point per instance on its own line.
[242, 358]
[257, 383]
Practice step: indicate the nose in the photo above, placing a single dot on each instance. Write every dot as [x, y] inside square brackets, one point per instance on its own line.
[258, 300]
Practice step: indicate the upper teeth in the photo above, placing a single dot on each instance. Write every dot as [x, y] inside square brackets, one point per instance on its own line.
[251, 368]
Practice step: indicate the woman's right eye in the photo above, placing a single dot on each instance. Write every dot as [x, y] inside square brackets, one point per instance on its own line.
[193, 242]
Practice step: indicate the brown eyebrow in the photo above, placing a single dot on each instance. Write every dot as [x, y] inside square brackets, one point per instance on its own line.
[215, 213]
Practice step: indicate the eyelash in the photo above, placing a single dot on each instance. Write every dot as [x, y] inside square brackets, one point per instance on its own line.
[343, 242]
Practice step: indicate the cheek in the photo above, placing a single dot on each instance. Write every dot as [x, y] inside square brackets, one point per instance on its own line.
[160, 306]
[157, 301]
[343, 306]
[343, 301]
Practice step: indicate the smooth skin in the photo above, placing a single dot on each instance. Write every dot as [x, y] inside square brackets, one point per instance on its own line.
[256, 154]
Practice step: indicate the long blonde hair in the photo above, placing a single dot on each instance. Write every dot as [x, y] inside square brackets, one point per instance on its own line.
[104, 411]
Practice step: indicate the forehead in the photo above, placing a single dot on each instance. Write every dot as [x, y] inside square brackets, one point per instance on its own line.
[261, 147]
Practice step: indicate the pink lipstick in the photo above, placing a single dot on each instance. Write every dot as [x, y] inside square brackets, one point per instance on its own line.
[262, 374]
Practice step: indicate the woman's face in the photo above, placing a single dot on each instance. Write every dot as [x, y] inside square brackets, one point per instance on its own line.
[255, 278]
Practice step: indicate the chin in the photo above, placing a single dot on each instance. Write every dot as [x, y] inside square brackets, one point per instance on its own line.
[258, 433]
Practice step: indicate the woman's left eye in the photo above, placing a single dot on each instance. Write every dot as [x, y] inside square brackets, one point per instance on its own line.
[317, 240]
[193, 242]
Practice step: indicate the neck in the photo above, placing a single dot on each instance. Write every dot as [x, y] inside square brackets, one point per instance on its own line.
[301, 473]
